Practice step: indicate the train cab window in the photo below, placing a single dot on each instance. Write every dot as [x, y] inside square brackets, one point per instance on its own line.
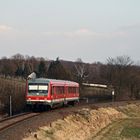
[38, 89]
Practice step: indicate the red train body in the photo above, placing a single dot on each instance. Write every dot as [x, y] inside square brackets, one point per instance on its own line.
[50, 92]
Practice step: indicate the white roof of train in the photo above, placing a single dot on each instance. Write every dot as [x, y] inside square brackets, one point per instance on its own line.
[52, 81]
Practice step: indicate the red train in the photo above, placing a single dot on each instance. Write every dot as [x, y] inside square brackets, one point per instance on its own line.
[50, 92]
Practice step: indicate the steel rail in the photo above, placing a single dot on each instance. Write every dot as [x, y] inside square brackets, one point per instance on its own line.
[11, 121]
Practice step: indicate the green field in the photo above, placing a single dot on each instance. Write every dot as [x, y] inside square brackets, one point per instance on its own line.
[125, 129]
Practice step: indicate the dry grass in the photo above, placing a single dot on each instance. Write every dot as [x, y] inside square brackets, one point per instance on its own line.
[119, 123]
[82, 126]
[131, 110]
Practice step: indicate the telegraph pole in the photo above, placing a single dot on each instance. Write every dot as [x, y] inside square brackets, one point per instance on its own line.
[10, 105]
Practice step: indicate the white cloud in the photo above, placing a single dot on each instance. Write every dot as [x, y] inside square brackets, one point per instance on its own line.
[75, 33]
[5, 28]
[84, 32]
[53, 33]
[131, 27]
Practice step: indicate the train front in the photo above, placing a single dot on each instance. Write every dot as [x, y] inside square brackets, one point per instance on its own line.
[37, 92]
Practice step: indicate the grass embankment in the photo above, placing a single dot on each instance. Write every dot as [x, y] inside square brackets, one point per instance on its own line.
[108, 123]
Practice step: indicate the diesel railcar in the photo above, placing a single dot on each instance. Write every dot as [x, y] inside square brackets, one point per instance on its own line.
[51, 92]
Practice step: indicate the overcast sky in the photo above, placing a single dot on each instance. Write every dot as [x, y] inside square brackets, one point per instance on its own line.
[92, 30]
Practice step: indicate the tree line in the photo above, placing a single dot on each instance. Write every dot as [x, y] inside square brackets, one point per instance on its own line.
[120, 73]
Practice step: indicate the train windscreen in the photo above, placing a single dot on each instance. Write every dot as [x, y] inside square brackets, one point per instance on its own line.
[37, 89]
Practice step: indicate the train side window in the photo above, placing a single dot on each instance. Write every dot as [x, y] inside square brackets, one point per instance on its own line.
[77, 90]
[63, 90]
[74, 90]
[60, 90]
[69, 90]
[56, 90]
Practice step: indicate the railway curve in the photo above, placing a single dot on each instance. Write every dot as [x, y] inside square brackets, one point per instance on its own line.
[21, 129]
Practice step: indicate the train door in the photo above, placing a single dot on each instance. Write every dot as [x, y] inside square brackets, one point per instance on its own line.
[56, 96]
[65, 94]
[53, 95]
[60, 93]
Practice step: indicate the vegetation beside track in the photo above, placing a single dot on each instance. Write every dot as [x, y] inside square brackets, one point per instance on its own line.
[127, 128]
[14, 88]
[100, 124]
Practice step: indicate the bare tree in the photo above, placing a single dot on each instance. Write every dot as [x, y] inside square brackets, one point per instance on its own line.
[119, 71]
[81, 70]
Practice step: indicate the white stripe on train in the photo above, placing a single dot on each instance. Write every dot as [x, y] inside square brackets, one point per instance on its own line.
[54, 100]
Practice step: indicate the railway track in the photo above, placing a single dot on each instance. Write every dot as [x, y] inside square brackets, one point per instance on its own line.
[10, 121]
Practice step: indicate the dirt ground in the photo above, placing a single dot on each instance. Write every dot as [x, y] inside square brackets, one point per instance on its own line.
[108, 123]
